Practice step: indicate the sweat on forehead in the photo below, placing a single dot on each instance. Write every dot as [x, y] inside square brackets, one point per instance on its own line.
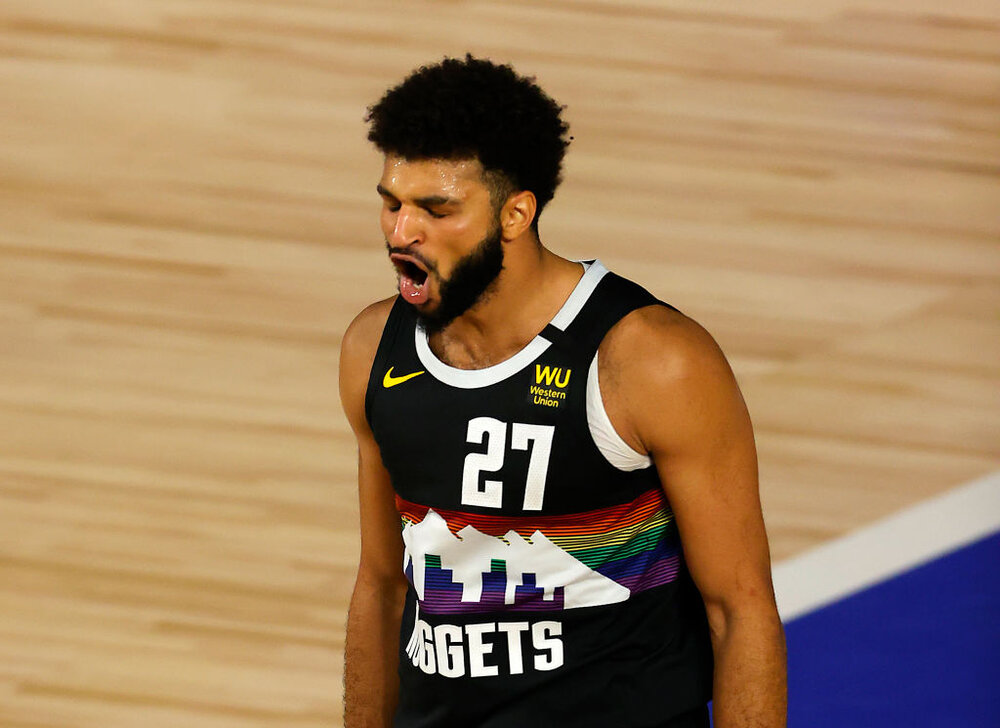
[453, 178]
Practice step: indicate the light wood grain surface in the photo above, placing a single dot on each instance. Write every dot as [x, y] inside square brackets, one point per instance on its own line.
[189, 223]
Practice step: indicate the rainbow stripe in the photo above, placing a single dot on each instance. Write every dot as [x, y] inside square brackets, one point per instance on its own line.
[634, 544]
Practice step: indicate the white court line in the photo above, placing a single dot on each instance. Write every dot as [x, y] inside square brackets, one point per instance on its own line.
[888, 547]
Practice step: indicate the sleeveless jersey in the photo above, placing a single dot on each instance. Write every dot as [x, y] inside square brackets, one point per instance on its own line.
[547, 585]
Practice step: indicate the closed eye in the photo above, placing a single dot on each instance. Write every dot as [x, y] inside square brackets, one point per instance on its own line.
[394, 207]
[391, 203]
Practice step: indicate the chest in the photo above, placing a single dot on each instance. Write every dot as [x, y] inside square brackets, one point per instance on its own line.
[520, 446]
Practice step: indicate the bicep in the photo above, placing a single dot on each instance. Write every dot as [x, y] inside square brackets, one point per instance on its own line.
[381, 537]
[709, 473]
[381, 541]
[683, 405]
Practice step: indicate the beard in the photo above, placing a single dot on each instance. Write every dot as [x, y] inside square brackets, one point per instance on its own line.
[468, 284]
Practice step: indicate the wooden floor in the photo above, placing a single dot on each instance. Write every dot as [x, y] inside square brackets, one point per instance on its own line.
[188, 223]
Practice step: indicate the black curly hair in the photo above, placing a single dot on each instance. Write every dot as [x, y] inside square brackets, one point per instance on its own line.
[476, 109]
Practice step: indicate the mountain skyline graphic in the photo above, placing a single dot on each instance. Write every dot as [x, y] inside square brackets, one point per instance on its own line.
[530, 565]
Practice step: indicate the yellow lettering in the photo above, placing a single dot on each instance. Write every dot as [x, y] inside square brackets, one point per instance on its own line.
[545, 374]
[554, 393]
[565, 381]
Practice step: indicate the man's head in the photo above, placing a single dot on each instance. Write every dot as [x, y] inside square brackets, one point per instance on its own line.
[472, 153]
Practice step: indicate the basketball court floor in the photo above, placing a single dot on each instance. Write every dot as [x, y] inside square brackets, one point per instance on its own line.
[897, 623]
[188, 222]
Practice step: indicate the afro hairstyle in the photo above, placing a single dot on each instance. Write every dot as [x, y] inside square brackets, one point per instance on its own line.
[473, 108]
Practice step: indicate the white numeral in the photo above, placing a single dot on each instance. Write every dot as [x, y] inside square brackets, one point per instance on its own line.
[493, 433]
[491, 493]
[538, 465]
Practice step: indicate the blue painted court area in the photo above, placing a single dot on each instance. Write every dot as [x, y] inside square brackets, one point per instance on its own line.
[921, 650]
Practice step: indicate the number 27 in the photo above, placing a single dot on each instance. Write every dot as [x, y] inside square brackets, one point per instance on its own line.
[494, 433]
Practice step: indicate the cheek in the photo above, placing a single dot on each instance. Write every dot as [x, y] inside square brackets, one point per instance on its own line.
[461, 233]
[462, 228]
[458, 238]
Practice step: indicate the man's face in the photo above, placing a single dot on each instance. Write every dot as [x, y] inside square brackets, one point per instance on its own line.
[442, 234]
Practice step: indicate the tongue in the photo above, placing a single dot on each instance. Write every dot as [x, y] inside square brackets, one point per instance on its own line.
[411, 292]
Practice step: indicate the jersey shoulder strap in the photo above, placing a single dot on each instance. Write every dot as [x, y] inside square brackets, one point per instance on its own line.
[613, 299]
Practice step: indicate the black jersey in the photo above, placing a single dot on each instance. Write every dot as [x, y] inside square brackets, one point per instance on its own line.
[547, 585]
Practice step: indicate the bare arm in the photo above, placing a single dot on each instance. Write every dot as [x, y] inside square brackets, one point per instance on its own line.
[674, 396]
[371, 653]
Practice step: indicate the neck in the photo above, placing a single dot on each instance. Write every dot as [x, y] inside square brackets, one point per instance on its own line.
[530, 290]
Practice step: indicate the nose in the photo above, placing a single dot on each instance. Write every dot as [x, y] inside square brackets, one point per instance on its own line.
[405, 229]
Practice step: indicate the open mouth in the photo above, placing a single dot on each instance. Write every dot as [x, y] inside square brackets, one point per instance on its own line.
[410, 269]
[412, 277]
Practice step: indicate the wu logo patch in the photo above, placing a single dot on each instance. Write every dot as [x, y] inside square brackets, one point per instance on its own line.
[549, 386]
[390, 381]
[551, 375]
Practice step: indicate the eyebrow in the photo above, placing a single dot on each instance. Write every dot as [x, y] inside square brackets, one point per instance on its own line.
[428, 201]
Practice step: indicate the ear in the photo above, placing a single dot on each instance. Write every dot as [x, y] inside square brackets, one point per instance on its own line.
[517, 214]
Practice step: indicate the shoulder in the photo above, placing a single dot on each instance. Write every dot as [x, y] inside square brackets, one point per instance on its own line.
[357, 352]
[660, 369]
[364, 332]
[662, 345]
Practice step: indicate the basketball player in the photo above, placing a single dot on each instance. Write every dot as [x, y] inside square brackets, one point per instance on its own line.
[560, 521]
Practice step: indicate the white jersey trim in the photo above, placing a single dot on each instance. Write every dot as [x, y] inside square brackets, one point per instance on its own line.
[612, 446]
[475, 378]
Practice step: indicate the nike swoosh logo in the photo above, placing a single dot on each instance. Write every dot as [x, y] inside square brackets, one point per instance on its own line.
[390, 381]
